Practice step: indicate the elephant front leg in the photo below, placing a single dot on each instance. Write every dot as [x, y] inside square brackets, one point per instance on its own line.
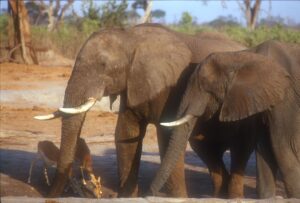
[175, 186]
[59, 182]
[211, 154]
[242, 145]
[129, 134]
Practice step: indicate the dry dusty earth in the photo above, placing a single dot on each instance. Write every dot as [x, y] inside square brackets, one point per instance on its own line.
[27, 91]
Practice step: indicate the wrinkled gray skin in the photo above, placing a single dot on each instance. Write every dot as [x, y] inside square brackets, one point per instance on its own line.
[148, 66]
[260, 84]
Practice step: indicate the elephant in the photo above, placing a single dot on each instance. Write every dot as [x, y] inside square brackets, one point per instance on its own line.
[148, 66]
[233, 97]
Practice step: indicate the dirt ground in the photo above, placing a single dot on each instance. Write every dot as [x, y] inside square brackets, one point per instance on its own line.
[20, 133]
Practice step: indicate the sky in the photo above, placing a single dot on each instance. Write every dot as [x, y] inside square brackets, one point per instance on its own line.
[205, 12]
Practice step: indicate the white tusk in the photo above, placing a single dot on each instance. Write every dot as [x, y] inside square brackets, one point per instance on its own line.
[80, 109]
[56, 114]
[181, 121]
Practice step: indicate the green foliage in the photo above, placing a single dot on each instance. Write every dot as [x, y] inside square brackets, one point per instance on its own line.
[88, 26]
[67, 40]
[90, 10]
[246, 37]
[108, 15]
[3, 30]
[186, 23]
[139, 4]
[113, 14]
[186, 19]
[3, 21]
[223, 21]
[261, 34]
[70, 36]
[158, 13]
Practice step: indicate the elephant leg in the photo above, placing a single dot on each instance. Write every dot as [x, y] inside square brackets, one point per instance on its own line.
[211, 154]
[129, 135]
[288, 163]
[240, 153]
[175, 185]
[285, 140]
[266, 168]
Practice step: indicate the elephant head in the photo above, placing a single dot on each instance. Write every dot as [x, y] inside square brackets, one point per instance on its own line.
[235, 85]
[141, 62]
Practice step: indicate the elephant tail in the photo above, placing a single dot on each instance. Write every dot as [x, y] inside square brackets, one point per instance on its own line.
[176, 147]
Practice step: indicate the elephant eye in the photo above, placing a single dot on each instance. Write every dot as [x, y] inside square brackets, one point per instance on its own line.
[101, 66]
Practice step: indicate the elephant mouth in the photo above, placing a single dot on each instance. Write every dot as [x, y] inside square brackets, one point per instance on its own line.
[91, 101]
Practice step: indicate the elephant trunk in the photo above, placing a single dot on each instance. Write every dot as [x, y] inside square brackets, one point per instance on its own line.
[70, 132]
[177, 144]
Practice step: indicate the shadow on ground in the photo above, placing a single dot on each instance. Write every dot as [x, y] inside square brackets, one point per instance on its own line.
[15, 165]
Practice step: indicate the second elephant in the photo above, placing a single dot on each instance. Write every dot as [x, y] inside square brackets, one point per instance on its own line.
[235, 92]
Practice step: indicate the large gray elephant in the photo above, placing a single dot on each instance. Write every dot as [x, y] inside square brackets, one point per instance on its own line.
[252, 92]
[148, 66]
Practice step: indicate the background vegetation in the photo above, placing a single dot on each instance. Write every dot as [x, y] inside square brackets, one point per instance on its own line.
[68, 37]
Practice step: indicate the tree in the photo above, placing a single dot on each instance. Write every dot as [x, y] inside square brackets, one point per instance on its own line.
[158, 14]
[113, 14]
[90, 10]
[146, 5]
[132, 17]
[54, 13]
[250, 12]
[109, 14]
[250, 9]
[19, 31]
[223, 21]
[186, 19]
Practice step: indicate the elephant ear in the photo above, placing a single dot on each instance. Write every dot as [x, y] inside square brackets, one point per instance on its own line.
[157, 64]
[256, 85]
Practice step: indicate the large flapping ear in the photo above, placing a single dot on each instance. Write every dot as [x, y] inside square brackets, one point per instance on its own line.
[158, 62]
[256, 85]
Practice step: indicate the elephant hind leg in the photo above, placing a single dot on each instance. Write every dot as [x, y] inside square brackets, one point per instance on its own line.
[266, 168]
[211, 154]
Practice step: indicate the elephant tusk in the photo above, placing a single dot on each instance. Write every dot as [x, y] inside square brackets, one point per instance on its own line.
[80, 109]
[181, 121]
[56, 114]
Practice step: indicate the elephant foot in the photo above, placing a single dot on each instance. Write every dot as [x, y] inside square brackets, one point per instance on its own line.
[220, 180]
[128, 191]
[176, 190]
[236, 186]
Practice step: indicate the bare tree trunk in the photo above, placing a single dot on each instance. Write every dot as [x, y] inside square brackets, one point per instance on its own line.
[51, 17]
[22, 31]
[251, 13]
[147, 16]
[62, 12]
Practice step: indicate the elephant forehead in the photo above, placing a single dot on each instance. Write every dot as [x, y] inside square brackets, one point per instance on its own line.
[212, 72]
[102, 51]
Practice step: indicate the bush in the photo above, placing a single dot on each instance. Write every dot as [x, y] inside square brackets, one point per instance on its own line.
[3, 29]
[261, 34]
[67, 40]
[246, 37]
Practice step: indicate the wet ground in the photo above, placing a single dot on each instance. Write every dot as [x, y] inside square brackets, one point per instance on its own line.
[26, 91]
